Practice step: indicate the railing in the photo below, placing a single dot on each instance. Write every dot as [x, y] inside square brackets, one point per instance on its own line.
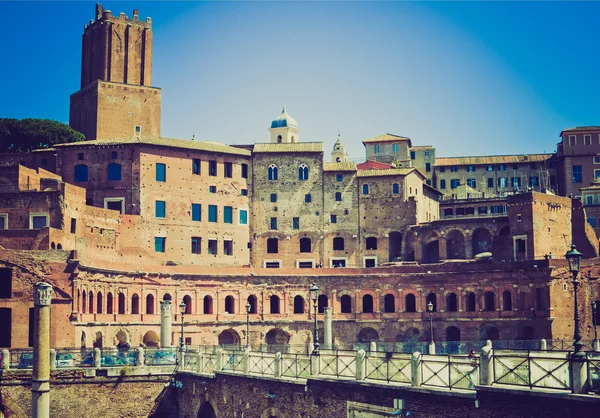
[261, 363]
[550, 371]
[389, 368]
[450, 372]
[338, 364]
[295, 366]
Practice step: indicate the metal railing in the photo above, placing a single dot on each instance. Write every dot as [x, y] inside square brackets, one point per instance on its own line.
[338, 364]
[451, 372]
[295, 366]
[533, 370]
[389, 368]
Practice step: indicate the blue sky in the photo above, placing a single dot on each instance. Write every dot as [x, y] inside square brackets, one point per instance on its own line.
[470, 78]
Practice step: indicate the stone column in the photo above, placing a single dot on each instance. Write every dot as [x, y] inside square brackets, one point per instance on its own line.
[40, 380]
[328, 331]
[165, 323]
[415, 370]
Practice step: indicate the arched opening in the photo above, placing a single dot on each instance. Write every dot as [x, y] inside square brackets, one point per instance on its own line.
[470, 302]
[527, 333]
[490, 333]
[135, 304]
[371, 243]
[410, 339]
[395, 246]
[187, 299]
[488, 301]
[207, 305]
[523, 301]
[98, 340]
[229, 305]
[455, 245]
[451, 302]
[252, 302]
[366, 335]
[274, 304]
[322, 303]
[121, 310]
[109, 303]
[346, 304]
[122, 337]
[83, 339]
[367, 302]
[229, 337]
[298, 304]
[52, 246]
[150, 339]
[452, 334]
[99, 307]
[272, 171]
[507, 300]
[431, 251]
[206, 410]
[481, 241]
[305, 245]
[431, 298]
[389, 303]
[410, 303]
[59, 246]
[303, 172]
[277, 337]
[150, 304]
[167, 296]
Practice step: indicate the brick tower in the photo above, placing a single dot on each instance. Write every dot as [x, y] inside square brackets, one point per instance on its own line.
[116, 99]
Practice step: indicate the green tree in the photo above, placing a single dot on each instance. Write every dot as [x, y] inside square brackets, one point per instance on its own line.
[27, 134]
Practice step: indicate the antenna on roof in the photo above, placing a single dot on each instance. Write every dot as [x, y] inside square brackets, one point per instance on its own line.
[193, 137]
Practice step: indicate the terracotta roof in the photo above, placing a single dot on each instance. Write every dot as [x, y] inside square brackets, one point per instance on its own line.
[386, 138]
[342, 166]
[373, 165]
[295, 147]
[388, 172]
[421, 147]
[433, 189]
[492, 159]
[163, 142]
[581, 128]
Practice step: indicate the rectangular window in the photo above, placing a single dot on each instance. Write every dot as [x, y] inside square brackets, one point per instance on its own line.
[597, 174]
[428, 167]
[228, 214]
[376, 149]
[470, 169]
[228, 247]
[482, 210]
[448, 212]
[196, 245]
[339, 177]
[454, 183]
[195, 166]
[572, 140]
[212, 168]
[243, 217]
[228, 170]
[460, 211]
[212, 213]
[516, 182]
[395, 148]
[73, 225]
[4, 221]
[592, 221]
[212, 189]
[161, 172]
[577, 174]
[490, 182]
[442, 184]
[490, 168]
[533, 181]
[244, 171]
[333, 219]
[114, 155]
[212, 247]
[273, 197]
[137, 131]
[307, 198]
[442, 169]
[472, 183]
[273, 223]
[469, 211]
[503, 209]
[160, 209]
[412, 155]
[587, 139]
[589, 200]
[426, 153]
[453, 169]
[160, 244]
[196, 212]
[272, 264]
[501, 167]
[296, 223]
[502, 182]
[80, 156]
[495, 209]
[596, 159]
[244, 192]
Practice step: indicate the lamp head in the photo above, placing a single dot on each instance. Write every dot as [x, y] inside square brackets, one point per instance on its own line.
[248, 307]
[430, 306]
[314, 292]
[182, 307]
[574, 259]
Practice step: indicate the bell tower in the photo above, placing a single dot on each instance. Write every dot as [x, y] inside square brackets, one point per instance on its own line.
[284, 129]
[339, 153]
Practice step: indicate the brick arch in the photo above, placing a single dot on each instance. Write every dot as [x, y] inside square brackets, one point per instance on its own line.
[361, 295]
[207, 409]
[430, 249]
[10, 408]
[455, 244]
[481, 241]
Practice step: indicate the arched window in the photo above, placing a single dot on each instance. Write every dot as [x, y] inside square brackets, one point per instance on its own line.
[84, 302]
[410, 303]
[322, 303]
[229, 308]
[488, 301]
[109, 303]
[207, 306]
[371, 243]
[365, 188]
[431, 298]
[470, 302]
[99, 303]
[346, 304]
[389, 303]
[395, 188]
[367, 304]
[338, 244]
[274, 302]
[150, 304]
[188, 304]
[298, 304]
[91, 305]
[273, 172]
[506, 300]
[252, 302]
[523, 301]
[303, 172]
[121, 304]
[114, 171]
[338, 196]
[135, 304]
[451, 302]
[305, 245]
[81, 173]
[452, 334]
[279, 139]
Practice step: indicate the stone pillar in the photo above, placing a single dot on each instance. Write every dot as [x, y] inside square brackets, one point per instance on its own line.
[361, 365]
[52, 359]
[246, 360]
[314, 365]
[97, 358]
[486, 369]
[415, 370]
[596, 345]
[40, 381]
[219, 361]
[328, 337]
[580, 374]
[373, 347]
[165, 323]
[277, 366]
[543, 345]
[140, 357]
[5, 354]
[432, 348]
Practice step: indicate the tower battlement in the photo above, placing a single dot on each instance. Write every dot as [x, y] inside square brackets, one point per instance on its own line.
[107, 16]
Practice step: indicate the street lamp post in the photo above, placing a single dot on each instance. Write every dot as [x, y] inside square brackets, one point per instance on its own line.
[431, 343]
[314, 295]
[248, 307]
[574, 258]
[182, 307]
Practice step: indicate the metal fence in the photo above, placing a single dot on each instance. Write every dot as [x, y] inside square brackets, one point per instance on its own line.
[295, 366]
[451, 372]
[389, 368]
[338, 364]
[532, 369]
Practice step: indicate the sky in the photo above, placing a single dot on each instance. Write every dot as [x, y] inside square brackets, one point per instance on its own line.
[469, 78]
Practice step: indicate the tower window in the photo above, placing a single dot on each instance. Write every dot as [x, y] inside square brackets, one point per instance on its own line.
[212, 168]
[303, 172]
[273, 172]
[228, 170]
[195, 166]
[339, 177]
[338, 196]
